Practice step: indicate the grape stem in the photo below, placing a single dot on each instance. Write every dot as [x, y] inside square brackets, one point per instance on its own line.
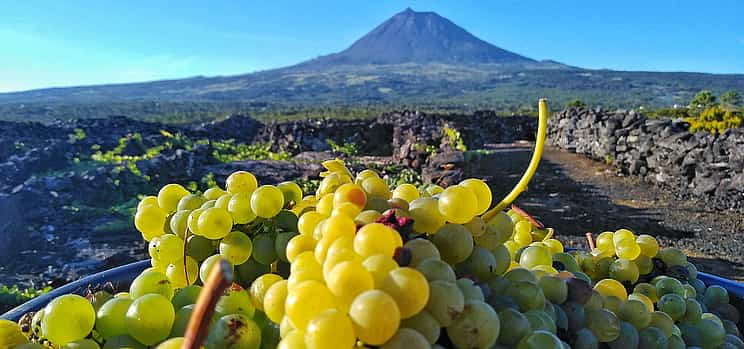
[590, 241]
[220, 278]
[542, 129]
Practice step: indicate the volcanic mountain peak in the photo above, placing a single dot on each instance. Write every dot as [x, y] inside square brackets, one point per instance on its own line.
[419, 37]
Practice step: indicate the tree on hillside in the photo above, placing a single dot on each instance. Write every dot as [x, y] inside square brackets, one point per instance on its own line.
[576, 103]
[703, 99]
[730, 100]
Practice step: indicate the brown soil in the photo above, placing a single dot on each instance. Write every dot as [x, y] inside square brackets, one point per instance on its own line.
[576, 195]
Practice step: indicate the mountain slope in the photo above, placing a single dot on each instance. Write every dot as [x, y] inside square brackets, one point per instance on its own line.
[419, 37]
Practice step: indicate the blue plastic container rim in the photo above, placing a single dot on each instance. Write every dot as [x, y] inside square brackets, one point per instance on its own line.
[123, 276]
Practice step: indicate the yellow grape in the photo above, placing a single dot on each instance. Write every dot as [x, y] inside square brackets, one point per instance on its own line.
[213, 193]
[406, 192]
[352, 193]
[299, 244]
[458, 204]
[169, 195]
[325, 205]
[376, 187]
[259, 288]
[376, 238]
[223, 201]
[214, 223]
[305, 267]
[177, 276]
[523, 233]
[150, 221]
[347, 209]
[611, 287]
[648, 244]
[307, 222]
[274, 299]
[605, 242]
[379, 265]
[482, 193]
[267, 201]
[644, 299]
[364, 174]
[375, 316]
[409, 288]
[292, 193]
[347, 280]
[622, 234]
[239, 208]
[193, 221]
[554, 245]
[425, 215]
[336, 226]
[241, 182]
[11, 335]
[628, 249]
[330, 329]
[335, 257]
[305, 301]
[147, 201]
[286, 328]
[292, 340]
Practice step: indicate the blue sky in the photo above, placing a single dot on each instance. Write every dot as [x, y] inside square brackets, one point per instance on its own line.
[45, 43]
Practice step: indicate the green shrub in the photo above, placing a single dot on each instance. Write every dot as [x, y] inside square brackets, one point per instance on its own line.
[715, 119]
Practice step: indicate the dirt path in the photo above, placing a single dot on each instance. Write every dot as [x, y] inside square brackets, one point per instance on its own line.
[576, 195]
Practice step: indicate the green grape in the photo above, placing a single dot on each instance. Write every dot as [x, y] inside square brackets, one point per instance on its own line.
[458, 204]
[673, 256]
[250, 270]
[628, 337]
[407, 338]
[421, 249]
[170, 248]
[585, 339]
[185, 296]
[171, 343]
[624, 270]
[647, 290]
[604, 324]
[482, 193]
[675, 342]
[693, 311]
[662, 321]
[267, 201]
[170, 195]
[503, 260]
[478, 326]
[611, 287]
[652, 338]
[636, 313]
[689, 291]
[539, 320]
[236, 247]
[480, 264]
[179, 223]
[291, 191]
[446, 301]
[712, 333]
[370, 216]
[177, 274]
[190, 202]
[514, 327]
[123, 342]
[470, 290]
[644, 264]
[424, 323]
[673, 305]
[263, 249]
[280, 244]
[476, 226]
[502, 223]
[692, 271]
[734, 340]
[595, 302]
[151, 282]
[612, 303]
[241, 182]
[235, 300]
[97, 299]
[520, 274]
[540, 340]
[287, 220]
[82, 344]
[490, 239]
[110, 317]
[454, 241]
[239, 208]
[199, 247]
[235, 331]
[643, 299]
[214, 223]
[691, 335]
[715, 296]
[181, 321]
[567, 262]
[149, 319]
[575, 315]
[554, 288]
[533, 256]
[224, 201]
[435, 269]
[527, 294]
[206, 267]
[211, 203]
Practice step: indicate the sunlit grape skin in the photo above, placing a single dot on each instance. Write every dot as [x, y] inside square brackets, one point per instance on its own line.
[149, 319]
[458, 204]
[375, 316]
[68, 318]
[267, 201]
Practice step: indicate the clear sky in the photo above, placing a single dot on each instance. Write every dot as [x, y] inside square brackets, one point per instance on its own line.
[45, 43]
